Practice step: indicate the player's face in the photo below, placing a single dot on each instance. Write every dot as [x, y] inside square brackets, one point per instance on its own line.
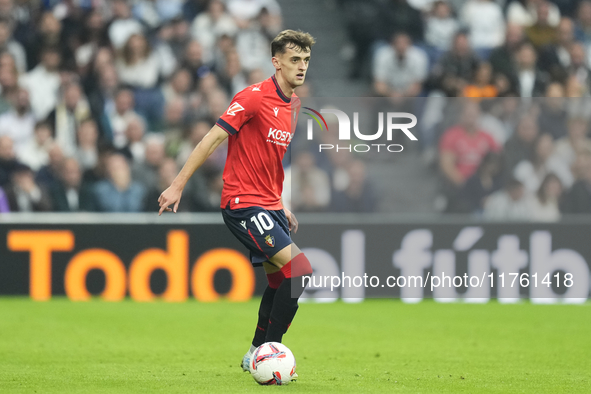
[293, 65]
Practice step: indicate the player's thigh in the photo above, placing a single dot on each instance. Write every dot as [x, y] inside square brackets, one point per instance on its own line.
[264, 233]
[285, 255]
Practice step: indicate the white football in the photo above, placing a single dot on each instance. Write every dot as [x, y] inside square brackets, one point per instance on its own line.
[272, 363]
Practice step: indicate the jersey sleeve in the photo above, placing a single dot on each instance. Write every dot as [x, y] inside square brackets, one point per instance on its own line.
[243, 107]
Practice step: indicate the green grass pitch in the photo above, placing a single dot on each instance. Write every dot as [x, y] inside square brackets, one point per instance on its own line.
[377, 346]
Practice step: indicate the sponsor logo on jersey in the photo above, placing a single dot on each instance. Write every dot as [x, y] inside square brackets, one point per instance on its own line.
[270, 240]
[235, 107]
[276, 110]
[278, 135]
[243, 223]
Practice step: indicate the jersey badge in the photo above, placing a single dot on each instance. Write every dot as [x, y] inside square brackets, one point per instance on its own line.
[276, 110]
[235, 107]
[256, 89]
[243, 223]
[270, 240]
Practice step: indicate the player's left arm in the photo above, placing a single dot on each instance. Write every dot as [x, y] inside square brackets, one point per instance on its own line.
[291, 219]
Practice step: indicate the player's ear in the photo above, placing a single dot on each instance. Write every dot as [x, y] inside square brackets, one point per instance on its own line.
[276, 63]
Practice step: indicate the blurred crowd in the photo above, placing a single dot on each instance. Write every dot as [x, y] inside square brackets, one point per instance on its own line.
[102, 101]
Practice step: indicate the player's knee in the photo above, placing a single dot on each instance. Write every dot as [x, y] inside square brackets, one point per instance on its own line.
[298, 266]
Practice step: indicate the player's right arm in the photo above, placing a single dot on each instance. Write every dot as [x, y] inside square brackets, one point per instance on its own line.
[202, 151]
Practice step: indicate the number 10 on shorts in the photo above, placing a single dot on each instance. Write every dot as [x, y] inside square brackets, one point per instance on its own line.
[263, 222]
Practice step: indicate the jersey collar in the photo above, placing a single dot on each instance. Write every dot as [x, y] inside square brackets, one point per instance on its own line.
[279, 91]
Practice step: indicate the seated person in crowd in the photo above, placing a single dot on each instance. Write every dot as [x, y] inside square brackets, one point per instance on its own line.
[24, 194]
[119, 192]
[69, 193]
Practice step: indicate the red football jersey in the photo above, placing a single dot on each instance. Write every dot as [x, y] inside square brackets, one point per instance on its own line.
[259, 121]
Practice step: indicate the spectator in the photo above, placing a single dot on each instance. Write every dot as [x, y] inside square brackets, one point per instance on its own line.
[123, 26]
[525, 13]
[8, 86]
[136, 147]
[196, 133]
[193, 61]
[138, 66]
[87, 150]
[441, 26]
[118, 192]
[48, 174]
[553, 115]
[232, 77]
[209, 26]
[455, 67]
[43, 83]
[543, 32]
[69, 193]
[8, 44]
[242, 11]
[532, 172]
[487, 180]
[545, 207]
[311, 185]
[521, 145]
[253, 43]
[101, 99]
[359, 195]
[24, 194]
[146, 173]
[8, 162]
[502, 57]
[567, 148]
[529, 81]
[554, 59]
[399, 69]
[93, 37]
[482, 86]
[121, 115]
[48, 33]
[179, 86]
[67, 116]
[35, 152]
[511, 204]
[462, 147]
[484, 19]
[583, 23]
[578, 67]
[166, 174]
[398, 16]
[154, 13]
[19, 123]
[578, 198]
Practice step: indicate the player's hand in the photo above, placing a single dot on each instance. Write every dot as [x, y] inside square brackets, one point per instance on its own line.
[170, 196]
[291, 220]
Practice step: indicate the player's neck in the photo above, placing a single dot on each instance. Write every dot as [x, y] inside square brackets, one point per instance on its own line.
[284, 86]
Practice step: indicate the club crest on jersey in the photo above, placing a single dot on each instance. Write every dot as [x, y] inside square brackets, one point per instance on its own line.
[235, 107]
[276, 110]
[270, 240]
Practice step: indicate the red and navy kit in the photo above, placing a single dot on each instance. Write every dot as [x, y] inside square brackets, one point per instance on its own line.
[259, 121]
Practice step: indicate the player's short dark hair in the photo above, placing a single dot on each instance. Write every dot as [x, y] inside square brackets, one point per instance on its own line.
[298, 40]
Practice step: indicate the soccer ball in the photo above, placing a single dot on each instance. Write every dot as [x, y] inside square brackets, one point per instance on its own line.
[272, 364]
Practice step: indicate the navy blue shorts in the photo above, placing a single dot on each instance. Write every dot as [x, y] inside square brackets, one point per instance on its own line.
[263, 232]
